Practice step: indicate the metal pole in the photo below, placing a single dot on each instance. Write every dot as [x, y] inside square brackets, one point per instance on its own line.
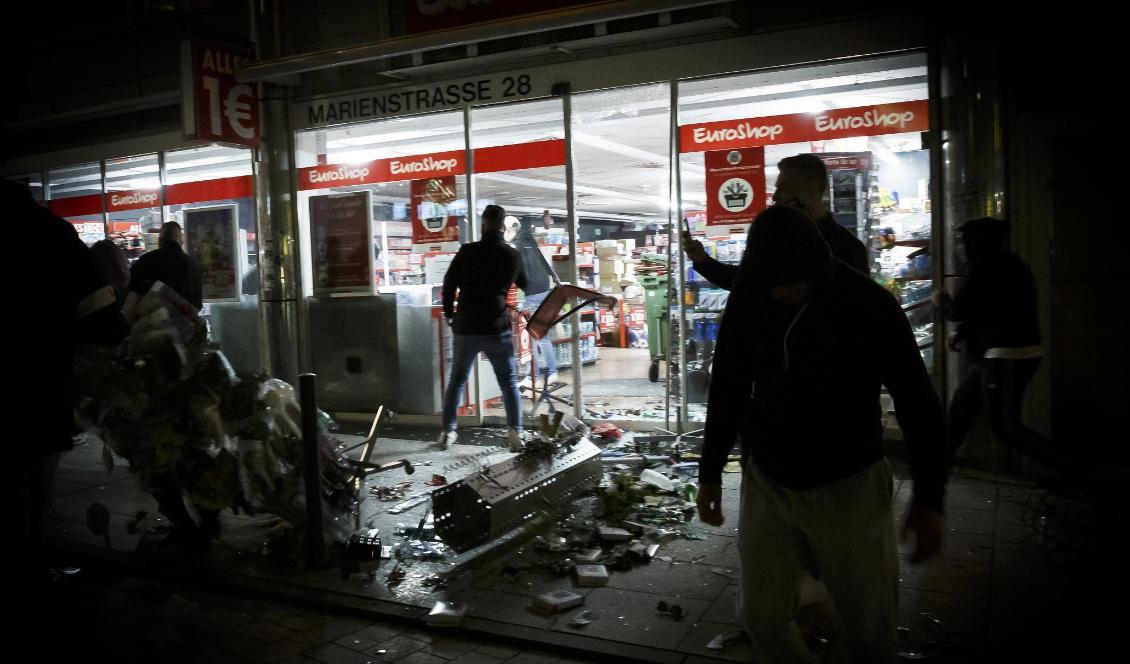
[471, 218]
[313, 540]
[574, 270]
[677, 283]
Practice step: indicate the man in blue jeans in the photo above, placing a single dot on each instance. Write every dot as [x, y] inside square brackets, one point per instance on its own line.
[539, 282]
[482, 273]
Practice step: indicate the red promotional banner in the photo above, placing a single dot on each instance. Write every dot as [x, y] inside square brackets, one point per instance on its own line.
[216, 107]
[132, 199]
[342, 243]
[431, 221]
[538, 154]
[76, 206]
[911, 116]
[208, 190]
[735, 186]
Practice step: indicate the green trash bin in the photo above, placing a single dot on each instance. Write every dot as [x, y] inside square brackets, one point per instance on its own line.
[658, 308]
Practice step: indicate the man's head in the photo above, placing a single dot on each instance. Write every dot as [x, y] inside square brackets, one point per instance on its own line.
[493, 218]
[801, 183]
[984, 239]
[511, 226]
[170, 234]
[787, 254]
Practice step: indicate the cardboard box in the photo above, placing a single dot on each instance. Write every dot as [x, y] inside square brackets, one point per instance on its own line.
[591, 576]
[558, 600]
[629, 244]
[611, 266]
[608, 252]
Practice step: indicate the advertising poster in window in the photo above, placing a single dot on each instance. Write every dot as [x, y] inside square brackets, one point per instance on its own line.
[735, 185]
[341, 228]
[211, 239]
[432, 221]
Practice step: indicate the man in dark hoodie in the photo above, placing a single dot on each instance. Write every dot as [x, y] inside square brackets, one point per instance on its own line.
[170, 265]
[801, 183]
[995, 309]
[804, 348]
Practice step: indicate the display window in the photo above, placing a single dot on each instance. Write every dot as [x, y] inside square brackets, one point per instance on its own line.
[203, 187]
[75, 194]
[133, 203]
[864, 119]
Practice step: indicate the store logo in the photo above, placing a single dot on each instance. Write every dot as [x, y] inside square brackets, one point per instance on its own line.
[135, 198]
[734, 157]
[738, 132]
[735, 195]
[871, 118]
[427, 164]
[340, 174]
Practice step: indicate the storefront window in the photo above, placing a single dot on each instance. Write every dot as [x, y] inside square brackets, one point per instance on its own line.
[520, 165]
[397, 239]
[863, 118]
[622, 159]
[75, 194]
[133, 203]
[216, 177]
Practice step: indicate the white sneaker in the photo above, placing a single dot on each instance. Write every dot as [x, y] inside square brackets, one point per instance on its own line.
[515, 438]
[552, 378]
[447, 439]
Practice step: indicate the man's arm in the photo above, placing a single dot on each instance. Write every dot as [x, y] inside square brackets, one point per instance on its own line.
[520, 279]
[451, 284]
[716, 272]
[919, 413]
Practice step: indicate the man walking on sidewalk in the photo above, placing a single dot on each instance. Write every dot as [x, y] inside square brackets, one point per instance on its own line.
[805, 346]
[481, 273]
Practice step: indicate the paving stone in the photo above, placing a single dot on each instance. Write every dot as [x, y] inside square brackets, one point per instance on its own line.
[957, 577]
[673, 580]
[449, 648]
[422, 658]
[964, 496]
[533, 658]
[506, 608]
[273, 652]
[977, 522]
[724, 609]
[700, 634]
[377, 633]
[267, 631]
[476, 657]
[961, 615]
[500, 652]
[396, 648]
[324, 632]
[331, 653]
[630, 616]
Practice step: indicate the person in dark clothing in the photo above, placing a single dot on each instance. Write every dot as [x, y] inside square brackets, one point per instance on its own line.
[112, 264]
[481, 274]
[169, 265]
[69, 303]
[805, 346]
[539, 281]
[995, 309]
[801, 183]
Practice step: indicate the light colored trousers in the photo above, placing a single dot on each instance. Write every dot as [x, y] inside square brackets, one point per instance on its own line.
[841, 534]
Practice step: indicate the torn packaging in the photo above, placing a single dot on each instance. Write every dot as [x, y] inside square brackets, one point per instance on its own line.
[591, 576]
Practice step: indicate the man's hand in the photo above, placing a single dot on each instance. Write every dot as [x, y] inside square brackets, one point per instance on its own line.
[694, 248]
[710, 503]
[928, 527]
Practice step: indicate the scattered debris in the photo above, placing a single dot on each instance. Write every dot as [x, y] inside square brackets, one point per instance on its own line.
[437, 480]
[658, 480]
[607, 431]
[591, 576]
[727, 639]
[446, 614]
[558, 600]
[610, 534]
[387, 494]
[590, 556]
[365, 544]
[412, 501]
[673, 610]
[927, 650]
[582, 618]
[137, 523]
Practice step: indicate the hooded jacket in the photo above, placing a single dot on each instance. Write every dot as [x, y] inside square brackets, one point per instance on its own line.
[800, 383]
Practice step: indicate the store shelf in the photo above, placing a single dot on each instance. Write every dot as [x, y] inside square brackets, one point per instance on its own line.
[919, 242]
[900, 280]
[915, 305]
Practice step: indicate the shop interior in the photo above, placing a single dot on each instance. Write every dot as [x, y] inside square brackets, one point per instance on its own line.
[622, 183]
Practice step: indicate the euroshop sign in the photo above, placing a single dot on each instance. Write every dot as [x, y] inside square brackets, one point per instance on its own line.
[912, 116]
[214, 106]
[133, 199]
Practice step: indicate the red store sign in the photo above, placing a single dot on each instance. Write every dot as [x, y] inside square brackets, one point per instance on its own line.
[214, 106]
[538, 154]
[735, 185]
[132, 199]
[912, 116]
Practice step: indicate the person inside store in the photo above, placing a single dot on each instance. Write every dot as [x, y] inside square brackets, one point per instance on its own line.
[170, 265]
[805, 346]
[112, 265]
[479, 279]
[996, 315]
[68, 304]
[802, 183]
[539, 281]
